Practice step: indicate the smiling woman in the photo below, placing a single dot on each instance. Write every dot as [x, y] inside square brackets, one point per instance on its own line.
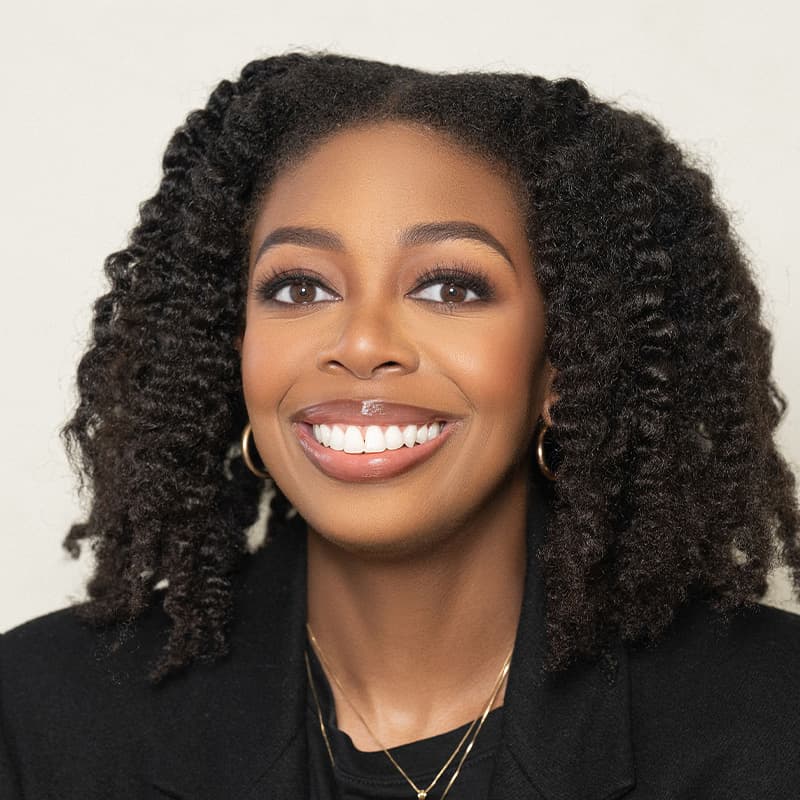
[489, 349]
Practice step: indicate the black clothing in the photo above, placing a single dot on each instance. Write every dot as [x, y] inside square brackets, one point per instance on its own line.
[370, 775]
[710, 713]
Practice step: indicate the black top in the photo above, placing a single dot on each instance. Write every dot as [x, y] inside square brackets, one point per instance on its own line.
[360, 775]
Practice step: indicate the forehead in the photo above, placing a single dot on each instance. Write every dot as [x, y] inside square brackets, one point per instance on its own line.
[379, 177]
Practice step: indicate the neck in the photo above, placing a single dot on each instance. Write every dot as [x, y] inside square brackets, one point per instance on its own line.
[418, 642]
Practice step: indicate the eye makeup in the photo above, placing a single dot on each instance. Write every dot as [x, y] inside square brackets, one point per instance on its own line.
[467, 277]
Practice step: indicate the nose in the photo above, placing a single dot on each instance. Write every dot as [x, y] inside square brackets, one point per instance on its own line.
[368, 338]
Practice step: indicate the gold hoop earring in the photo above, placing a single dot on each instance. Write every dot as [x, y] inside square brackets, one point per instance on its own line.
[246, 454]
[545, 470]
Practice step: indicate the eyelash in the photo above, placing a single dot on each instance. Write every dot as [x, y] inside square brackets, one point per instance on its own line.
[472, 279]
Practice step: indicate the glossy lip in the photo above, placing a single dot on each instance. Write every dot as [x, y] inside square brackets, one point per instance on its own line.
[369, 412]
[363, 467]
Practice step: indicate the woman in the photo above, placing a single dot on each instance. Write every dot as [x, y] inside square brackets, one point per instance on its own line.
[490, 347]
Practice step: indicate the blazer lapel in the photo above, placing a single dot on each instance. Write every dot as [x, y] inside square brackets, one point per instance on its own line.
[565, 736]
[247, 711]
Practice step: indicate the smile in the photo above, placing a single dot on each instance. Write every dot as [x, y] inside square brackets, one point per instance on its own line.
[372, 452]
[374, 438]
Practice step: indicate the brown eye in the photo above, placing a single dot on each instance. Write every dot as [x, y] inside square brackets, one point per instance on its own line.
[292, 289]
[449, 292]
[453, 293]
[301, 292]
[449, 286]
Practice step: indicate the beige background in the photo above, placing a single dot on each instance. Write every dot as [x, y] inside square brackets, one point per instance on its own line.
[92, 91]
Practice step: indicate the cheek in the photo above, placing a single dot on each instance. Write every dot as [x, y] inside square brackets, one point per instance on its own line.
[267, 359]
[495, 362]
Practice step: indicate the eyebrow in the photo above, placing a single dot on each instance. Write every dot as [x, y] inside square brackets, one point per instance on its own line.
[414, 236]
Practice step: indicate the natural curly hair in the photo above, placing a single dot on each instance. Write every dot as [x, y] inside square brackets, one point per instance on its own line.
[670, 485]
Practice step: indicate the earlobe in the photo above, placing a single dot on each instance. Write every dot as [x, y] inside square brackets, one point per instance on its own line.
[237, 343]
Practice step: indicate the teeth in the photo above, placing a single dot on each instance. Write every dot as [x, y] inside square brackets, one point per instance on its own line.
[393, 436]
[353, 440]
[373, 438]
[337, 438]
[324, 433]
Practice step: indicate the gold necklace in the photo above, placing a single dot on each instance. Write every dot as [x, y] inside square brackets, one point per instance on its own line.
[421, 793]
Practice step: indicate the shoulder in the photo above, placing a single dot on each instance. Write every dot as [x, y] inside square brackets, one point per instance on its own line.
[754, 649]
[74, 700]
[61, 646]
[58, 664]
[75, 662]
[719, 694]
[78, 710]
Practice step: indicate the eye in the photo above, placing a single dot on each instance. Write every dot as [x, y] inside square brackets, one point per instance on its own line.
[294, 288]
[298, 293]
[453, 293]
[444, 285]
[450, 286]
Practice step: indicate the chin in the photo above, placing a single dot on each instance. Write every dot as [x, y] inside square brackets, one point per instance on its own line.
[394, 546]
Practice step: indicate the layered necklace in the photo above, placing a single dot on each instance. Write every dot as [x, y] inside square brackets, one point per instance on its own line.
[420, 794]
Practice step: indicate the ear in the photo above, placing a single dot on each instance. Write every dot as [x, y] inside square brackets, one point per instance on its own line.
[550, 397]
[237, 343]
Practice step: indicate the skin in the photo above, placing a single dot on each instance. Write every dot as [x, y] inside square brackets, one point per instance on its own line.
[414, 582]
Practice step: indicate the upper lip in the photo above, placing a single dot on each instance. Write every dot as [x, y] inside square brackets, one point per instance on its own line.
[365, 412]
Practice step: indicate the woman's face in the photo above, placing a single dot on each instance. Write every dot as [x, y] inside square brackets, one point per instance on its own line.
[362, 324]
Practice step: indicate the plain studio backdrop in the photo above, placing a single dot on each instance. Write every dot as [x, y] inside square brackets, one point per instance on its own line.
[93, 90]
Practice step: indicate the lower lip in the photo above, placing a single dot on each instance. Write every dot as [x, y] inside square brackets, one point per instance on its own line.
[361, 467]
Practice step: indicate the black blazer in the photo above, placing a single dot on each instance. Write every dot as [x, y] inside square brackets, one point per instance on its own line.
[710, 712]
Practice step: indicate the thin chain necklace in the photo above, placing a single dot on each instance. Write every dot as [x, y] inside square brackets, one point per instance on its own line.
[420, 793]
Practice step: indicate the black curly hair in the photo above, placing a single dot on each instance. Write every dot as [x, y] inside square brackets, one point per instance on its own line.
[669, 484]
